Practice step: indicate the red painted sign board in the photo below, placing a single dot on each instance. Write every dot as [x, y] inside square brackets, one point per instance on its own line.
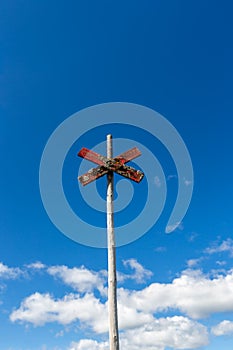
[116, 164]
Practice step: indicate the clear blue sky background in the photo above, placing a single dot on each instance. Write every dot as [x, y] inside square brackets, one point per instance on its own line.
[58, 57]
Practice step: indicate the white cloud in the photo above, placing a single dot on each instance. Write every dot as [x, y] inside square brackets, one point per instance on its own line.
[9, 272]
[193, 294]
[223, 328]
[88, 344]
[176, 332]
[130, 317]
[81, 279]
[221, 263]
[36, 266]
[225, 246]
[40, 309]
[84, 280]
[193, 262]
[140, 274]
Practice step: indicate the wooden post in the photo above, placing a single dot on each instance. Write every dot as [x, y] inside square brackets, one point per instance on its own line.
[112, 280]
[106, 165]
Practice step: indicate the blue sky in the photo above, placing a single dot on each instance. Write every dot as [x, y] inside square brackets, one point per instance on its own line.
[57, 58]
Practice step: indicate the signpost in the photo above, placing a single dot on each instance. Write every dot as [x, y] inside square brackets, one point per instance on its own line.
[108, 165]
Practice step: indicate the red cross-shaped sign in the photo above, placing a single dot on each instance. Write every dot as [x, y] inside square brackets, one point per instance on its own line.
[116, 164]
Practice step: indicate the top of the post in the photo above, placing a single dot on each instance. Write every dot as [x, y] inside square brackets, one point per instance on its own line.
[109, 146]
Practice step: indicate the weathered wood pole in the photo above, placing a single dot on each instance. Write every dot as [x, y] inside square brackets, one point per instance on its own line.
[112, 280]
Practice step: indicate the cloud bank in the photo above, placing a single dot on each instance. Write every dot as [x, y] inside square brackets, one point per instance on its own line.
[187, 300]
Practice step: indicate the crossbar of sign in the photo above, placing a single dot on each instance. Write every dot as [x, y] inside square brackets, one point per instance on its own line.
[116, 164]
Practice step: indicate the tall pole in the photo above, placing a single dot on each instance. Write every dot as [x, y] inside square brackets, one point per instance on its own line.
[106, 166]
[112, 280]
